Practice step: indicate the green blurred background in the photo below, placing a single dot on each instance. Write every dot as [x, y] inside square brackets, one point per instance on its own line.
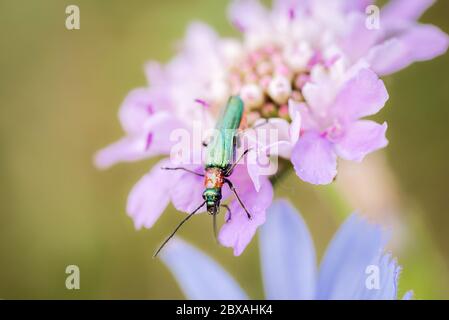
[60, 92]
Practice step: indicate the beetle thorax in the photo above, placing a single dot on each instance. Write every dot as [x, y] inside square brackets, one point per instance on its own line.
[214, 178]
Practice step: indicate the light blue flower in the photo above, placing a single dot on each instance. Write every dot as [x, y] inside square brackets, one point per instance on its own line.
[354, 266]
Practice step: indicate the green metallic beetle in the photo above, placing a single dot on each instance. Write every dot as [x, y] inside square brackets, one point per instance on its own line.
[220, 162]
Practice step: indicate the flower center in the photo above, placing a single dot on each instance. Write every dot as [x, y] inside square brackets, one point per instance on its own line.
[265, 80]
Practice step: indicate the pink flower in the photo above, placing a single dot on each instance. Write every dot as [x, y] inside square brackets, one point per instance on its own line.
[399, 41]
[327, 70]
[308, 69]
[333, 128]
[155, 190]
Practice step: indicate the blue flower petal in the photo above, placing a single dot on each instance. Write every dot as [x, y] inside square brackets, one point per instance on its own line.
[408, 295]
[388, 272]
[350, 257]
[287, 254]
[199, 276]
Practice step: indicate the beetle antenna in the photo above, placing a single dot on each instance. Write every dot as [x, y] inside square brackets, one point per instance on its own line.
[177, 228]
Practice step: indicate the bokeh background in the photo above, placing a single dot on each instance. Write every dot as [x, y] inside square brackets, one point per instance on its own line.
[60, 91]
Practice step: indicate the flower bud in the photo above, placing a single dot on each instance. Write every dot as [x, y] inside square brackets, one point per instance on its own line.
[280, 89]
[252, 96]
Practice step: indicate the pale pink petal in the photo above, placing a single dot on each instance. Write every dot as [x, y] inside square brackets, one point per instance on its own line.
[363, 95]
[263, 162]
[152, 140]
[200, 39]
[135, 110]
[155, 74]
[419, 43]
[239, 230]
[294, 110]
[314, 159]
[356, 5]
[405, 9]
[387, 57]
[425, 42]
[187, 193]
[150, 196]
[273, 138]
[358, 39]
[291, 9]
[360, 138]
[307, 120]
[265, 143]
[127, 149]
[247, 14]
[314, 96]
[254, 169]
[265, 132]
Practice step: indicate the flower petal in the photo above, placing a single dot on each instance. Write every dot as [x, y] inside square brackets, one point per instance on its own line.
[408, 295]
[264, 161]
[314, 159]
[360, 138]
[247, 14]
[155, 74]
[388, 272]
[405, 9]
[150, 196]
[363, 95]
[239, 230]
[287, 254]
[199, 276]
[254, 169]
[152, 140]
[425, 42]
[135, 110]
[187, 193]
[295, 114]
[265, 143]
[387, 57]
[200, 42]
[125, 150]
[356, 246]
[419, 43]
[356, 5]
[307, 120]
[358, 39]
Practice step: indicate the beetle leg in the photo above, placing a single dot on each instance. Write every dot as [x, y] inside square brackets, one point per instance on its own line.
[231, 186]
[214, 223]
[229, 213]
[229, 171]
